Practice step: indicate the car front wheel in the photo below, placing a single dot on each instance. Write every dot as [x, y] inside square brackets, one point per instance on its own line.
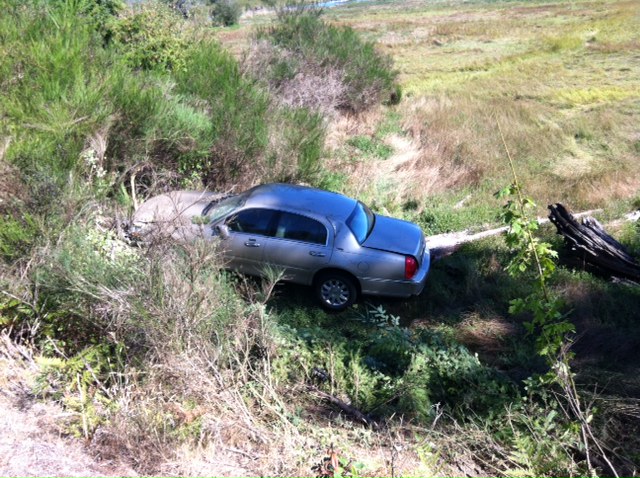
[336, 291]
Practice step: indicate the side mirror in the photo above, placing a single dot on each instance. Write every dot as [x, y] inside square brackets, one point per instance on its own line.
[222, 231]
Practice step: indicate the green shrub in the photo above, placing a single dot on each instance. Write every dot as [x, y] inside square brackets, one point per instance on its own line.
[336, 56]
[83, 288]
[248, 139]
[238, 113]
[17, 236]
[54, 80]
[386, 369]
[150, 36]
[193, 118]
[296, 146]
[225, 12]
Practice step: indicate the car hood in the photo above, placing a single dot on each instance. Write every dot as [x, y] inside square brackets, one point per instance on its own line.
[171, 214]
[395, 235]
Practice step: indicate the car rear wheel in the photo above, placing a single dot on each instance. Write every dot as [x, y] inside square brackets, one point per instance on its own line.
[335, 291]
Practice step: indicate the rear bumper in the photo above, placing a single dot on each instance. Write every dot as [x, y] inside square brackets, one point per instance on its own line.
[398, 288]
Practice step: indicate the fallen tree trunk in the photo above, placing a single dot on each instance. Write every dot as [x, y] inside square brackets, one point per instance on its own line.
[345, 407]
[589, 242]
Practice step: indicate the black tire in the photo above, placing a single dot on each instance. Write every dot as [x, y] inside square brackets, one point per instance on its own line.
[335, 291]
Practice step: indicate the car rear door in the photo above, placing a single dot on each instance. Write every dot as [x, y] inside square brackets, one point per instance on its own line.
[301, 245]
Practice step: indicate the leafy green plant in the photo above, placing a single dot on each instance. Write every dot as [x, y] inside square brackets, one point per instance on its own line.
[536, 255]
[387, 369]
[80, 383]
[150, 37]
[17, 236]
[535, 259]
[225, 12]
[542, 442]
[102, 14]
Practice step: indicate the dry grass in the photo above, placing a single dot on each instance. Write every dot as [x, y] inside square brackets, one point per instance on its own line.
[485, 333]
[32, 439]
[561, 79]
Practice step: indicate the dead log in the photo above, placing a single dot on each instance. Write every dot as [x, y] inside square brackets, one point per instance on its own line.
[589, 242]
[345, 407]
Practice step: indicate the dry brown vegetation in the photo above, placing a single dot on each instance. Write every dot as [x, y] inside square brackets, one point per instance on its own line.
[559, 78]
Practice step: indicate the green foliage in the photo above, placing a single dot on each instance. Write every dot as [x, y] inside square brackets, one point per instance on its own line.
[150, 37]
[242, 137]
[69, 100]
[541, 441]
[78, 289]
[551, 324]
[98, 14]
[371, 147]
[17, 236]
[225, 12]
[297, 149]
[631, 237]
[102, 14]
[80, 384]
[535, 257]
[367, 75]
[386, 369]
[53, 86]
[331, 180]
[238, 132]
[13, 312]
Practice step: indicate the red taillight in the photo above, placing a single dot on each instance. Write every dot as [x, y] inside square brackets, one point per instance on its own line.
[410, 267]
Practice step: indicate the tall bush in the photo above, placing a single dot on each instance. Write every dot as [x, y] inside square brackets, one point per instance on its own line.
[310, 54]
[151, 36]
[225, 12]
[151, 96]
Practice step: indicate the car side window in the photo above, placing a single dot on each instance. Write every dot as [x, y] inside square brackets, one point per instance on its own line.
[301, 228]
[252, 221]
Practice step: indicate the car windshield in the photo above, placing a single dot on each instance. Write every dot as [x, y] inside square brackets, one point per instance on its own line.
[361, 222]
[215, 211]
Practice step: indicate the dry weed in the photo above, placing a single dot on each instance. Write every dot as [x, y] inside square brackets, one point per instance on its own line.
[347, 125]
[488, 334]
[12, 190]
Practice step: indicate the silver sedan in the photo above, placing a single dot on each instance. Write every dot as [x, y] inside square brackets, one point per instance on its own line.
[326, 240]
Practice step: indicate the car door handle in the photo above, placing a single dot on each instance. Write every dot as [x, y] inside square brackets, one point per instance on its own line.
[316, 254]
[252, 243]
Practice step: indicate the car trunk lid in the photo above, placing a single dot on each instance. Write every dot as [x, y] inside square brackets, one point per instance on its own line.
[395, 235]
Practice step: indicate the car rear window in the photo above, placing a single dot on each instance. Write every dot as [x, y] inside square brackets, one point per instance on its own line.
[301, 228]
[361, 222]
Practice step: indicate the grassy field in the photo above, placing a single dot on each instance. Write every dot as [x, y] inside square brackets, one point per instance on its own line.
[562, 80]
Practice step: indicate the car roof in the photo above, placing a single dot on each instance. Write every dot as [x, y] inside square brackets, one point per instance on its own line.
[301, 198]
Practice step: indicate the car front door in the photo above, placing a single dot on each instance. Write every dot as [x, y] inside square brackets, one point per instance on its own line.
[301, 245]
[249, 233]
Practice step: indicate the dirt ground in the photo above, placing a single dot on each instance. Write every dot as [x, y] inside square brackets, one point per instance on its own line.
[31, 442]
[30, 447]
